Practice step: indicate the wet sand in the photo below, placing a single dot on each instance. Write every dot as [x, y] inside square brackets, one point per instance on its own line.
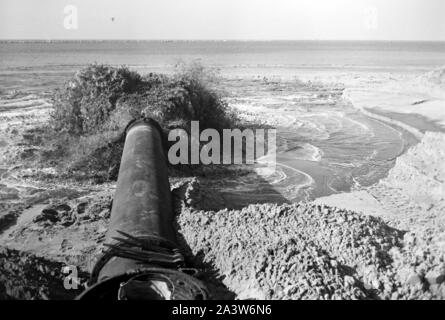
[417, 121]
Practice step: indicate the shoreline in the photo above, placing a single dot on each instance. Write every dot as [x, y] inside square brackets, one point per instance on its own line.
[384, 117]
[413, 126]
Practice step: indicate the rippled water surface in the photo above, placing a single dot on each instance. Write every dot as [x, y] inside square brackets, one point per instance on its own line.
[325, 145]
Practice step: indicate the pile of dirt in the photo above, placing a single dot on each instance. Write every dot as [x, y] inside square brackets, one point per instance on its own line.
[420, 172]
[416, 186]
[309, 251]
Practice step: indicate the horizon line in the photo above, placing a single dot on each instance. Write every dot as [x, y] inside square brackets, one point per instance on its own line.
[213, 40]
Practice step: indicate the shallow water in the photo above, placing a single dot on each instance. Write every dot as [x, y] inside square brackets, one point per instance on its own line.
[324, 144]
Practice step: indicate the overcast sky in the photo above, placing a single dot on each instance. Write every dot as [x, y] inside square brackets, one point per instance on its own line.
[224, 19]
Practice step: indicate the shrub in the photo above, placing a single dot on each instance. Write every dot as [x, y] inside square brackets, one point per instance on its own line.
[92, 110]
[84, 104]
[87, 102]
[184, 97]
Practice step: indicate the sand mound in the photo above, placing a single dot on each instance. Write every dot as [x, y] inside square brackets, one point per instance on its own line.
[305, 251]
[416, 189]
[420, 172]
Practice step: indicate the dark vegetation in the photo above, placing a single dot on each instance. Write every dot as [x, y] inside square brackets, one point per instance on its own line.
[91, 111]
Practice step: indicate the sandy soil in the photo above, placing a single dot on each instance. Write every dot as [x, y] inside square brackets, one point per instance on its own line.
[316, 251]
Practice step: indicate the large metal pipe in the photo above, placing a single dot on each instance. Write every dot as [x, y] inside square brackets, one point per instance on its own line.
[142, 259]
[142, 203]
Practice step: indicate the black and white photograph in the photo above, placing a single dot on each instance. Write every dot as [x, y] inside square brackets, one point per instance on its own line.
[236, 151]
